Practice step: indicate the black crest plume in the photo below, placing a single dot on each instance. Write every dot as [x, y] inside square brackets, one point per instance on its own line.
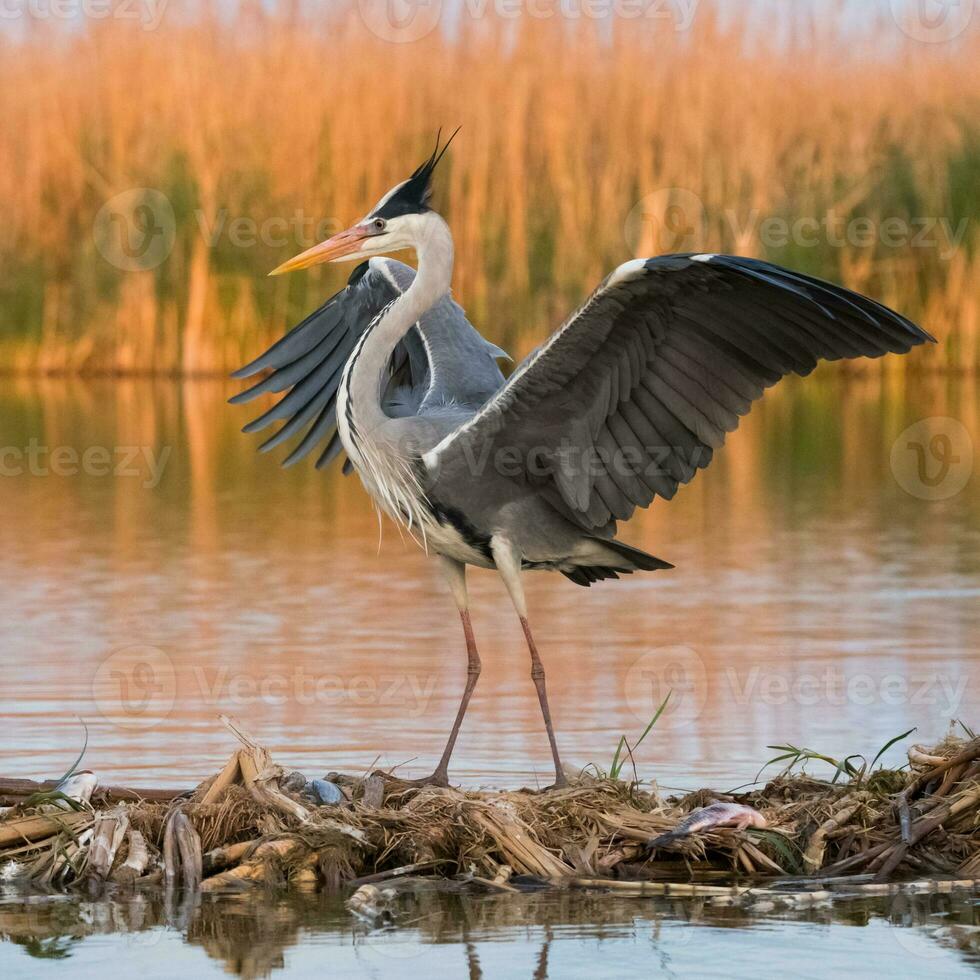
[412, 197]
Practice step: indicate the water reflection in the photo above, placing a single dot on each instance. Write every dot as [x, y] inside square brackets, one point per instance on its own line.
[816, 599]
[548, 934]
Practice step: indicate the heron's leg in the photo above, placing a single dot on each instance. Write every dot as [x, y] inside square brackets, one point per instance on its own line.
[455, 573]
[508, 563]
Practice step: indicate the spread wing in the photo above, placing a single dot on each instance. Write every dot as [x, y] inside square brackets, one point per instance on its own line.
[633, 394]
[308, 362]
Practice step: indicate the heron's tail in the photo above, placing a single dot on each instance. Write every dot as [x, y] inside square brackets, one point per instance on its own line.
[634, 559]
[601, 558]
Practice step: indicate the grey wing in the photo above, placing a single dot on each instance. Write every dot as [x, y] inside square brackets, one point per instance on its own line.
[309, 361]
[456, 365]
[631, 396]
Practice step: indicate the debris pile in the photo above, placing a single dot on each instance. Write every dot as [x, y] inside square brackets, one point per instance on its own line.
[255, 823]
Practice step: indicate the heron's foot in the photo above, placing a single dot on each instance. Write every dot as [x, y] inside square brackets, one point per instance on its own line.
[561, 782]
[439, 778]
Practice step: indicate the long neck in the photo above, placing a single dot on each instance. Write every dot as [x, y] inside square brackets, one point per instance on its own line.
[434, 249]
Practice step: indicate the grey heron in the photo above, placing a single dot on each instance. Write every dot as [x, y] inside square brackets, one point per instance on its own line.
[626, 401]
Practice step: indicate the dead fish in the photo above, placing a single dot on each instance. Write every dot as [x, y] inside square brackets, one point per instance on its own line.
[707, 818]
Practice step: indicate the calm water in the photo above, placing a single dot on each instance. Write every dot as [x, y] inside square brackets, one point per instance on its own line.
[157, 573]
[821, 596]
[533, 936]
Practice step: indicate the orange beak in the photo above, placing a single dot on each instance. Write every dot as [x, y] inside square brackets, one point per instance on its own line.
[341, 244]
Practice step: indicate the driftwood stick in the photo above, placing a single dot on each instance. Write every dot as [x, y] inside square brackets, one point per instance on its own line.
[405, 869]
[885, 865]
[189, 846]
[491, 884]
[110, 830]
[13, 791]
[255, 868]
[919, 757]
[887, 862]
[968, 753]
[232, 773]
[952, 777]
[650, 887]
[813, 856]
[855, 860]
[29, 830]
[374, 792]
[758, 858]
[171, 854]
[136, 860]
[962, 773]
[225, 857]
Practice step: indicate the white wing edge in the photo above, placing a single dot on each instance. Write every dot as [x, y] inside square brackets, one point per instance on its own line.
[630, 270]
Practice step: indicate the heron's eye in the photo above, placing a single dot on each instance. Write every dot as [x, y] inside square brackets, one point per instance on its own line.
[379, 224]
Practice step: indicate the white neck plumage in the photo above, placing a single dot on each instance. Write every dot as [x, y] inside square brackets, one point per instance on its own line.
[390, 480]
[366, 370]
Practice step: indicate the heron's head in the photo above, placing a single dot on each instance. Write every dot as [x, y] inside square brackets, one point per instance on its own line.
[398, 221]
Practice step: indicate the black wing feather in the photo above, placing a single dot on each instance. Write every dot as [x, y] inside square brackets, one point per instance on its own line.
[309, 361]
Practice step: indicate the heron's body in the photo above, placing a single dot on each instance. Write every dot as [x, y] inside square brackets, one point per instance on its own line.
[625, 402]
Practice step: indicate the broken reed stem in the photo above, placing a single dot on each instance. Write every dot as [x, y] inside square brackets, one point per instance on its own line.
[34, 828]
[968, 754]
[228, 856]
[110, 830]
[137, 859]
[256, 868]
[813, 855]
[189, 849]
